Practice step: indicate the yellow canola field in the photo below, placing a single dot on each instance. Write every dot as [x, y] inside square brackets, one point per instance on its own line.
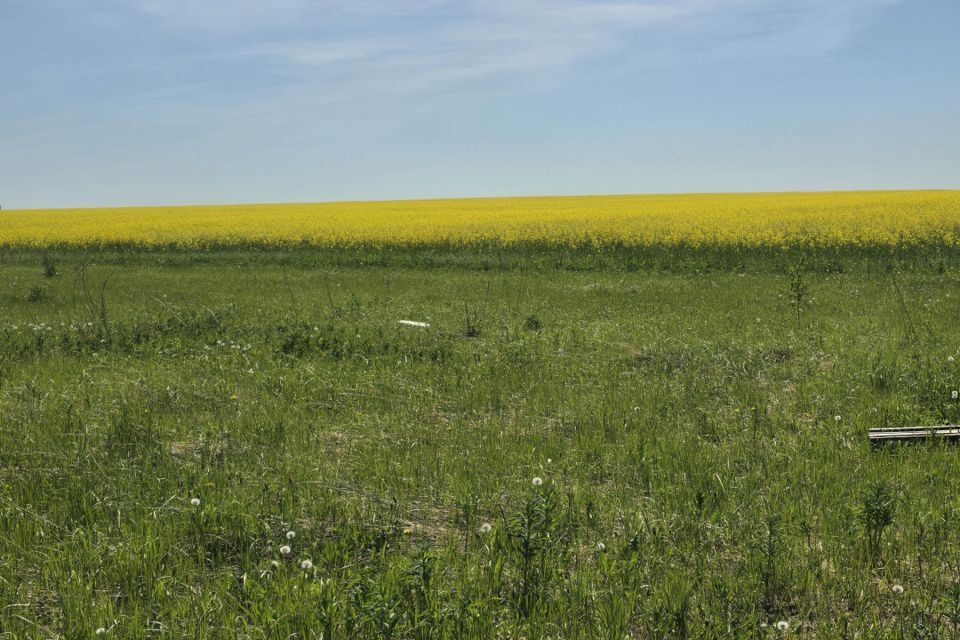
[775, 219]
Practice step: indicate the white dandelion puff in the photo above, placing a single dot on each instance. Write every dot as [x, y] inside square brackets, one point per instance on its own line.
[897, 589]
[949, 358]
[195, 502]
[284, 550]
[291, 535]
[537, 481]
[838, 417]
[601, 547]
[486, 527]
[101, 631]
[783, 625]
[306, 565]
[955, 394]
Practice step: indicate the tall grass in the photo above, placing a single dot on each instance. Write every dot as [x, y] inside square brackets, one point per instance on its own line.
[703, 454]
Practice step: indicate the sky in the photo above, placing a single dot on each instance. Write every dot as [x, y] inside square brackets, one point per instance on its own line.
[154, 102]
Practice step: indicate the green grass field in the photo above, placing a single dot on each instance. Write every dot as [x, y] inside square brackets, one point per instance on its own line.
[702, 447]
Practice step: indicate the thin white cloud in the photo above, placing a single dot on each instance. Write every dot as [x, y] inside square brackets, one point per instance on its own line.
[223, 16]
[469, 38]
[371, 64]
[429, 44]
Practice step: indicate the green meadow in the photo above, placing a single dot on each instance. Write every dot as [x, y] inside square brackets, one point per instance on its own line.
[248, 444]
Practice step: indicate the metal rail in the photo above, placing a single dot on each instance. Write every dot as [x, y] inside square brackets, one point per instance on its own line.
[949, 433]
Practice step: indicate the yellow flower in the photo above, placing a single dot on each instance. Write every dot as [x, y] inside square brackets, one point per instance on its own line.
[774, 220]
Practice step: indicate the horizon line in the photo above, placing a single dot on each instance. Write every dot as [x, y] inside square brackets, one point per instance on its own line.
[462, 198]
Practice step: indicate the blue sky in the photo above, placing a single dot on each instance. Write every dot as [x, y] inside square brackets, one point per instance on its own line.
[112, 102]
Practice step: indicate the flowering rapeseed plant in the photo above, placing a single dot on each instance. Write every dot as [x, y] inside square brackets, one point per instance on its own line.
[887, 218]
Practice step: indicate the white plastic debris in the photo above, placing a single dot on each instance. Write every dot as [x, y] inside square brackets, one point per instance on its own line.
[413, 323]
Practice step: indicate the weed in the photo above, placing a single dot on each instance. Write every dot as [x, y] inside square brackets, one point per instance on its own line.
[49, 268]
[473, 322]
[878, 507]
[35, 294]
[798, 287]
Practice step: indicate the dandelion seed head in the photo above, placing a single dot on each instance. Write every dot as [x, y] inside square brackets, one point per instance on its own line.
[284, 550]
[485, 527]
[949, 358]
[838, 417]
[601, 546]
[101, 631]
[897, 589]
[955, 394]
[306, 565]
[537, 481]
[783, 625]
[195, 502]
[291, 535]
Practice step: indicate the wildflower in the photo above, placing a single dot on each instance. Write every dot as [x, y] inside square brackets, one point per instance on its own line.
[485, 527]
[274, 564]
[537, 481]
[195, 502]
[306, 565]
[897, 589]
[291, 535]
[601, 547]
[838, 417]
[284, 550]
[101, 631]
[949, 358]
[783, 625]
[954, 394]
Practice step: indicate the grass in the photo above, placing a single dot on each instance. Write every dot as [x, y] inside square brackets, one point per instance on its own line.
[700, 434]
[520, 256]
